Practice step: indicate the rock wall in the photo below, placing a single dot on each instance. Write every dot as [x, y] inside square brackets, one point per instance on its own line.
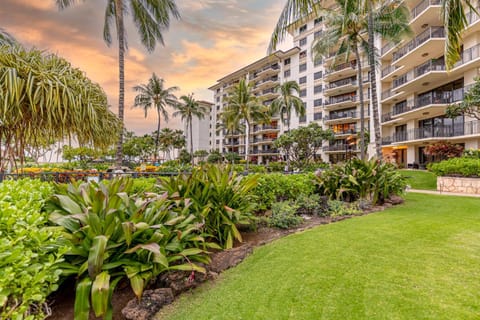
[458, 185]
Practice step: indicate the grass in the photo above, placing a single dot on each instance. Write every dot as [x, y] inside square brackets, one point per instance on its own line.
[415, 261]
[420, 179]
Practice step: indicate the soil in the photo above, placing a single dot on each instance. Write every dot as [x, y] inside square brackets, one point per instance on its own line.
[62, 302]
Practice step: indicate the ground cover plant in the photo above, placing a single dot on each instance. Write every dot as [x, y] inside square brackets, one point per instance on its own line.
[408, 262]
[28, 250]
[420, 179]
[464, 166]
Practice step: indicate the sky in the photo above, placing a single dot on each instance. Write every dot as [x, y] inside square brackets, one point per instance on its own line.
[213, 38]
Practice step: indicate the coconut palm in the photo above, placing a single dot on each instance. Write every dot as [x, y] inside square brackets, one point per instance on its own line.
[347, 26]
[155, 95]
[6, 38]
[288, 99]
[150, 17]
[244, 106]
[188, 109]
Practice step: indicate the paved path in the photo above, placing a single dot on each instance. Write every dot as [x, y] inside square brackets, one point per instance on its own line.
[443, 193]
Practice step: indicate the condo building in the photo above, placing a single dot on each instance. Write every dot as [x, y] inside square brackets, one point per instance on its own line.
[414, 90]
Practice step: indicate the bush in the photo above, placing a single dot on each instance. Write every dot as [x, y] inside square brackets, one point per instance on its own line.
[284, 215]
[220, 199]
[29, 254]
[114, 236]
[278, 166]
[356, 179]
[471, 153]
[466, 167]
[338, 208]
[313, 204]
[280, 187]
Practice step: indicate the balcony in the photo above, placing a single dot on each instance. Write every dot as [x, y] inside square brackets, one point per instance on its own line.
[436, 132]
[267, 70]
[265, 152]
[429, 34]
[265, 127]
[344, 101]
[262, 84]
[433, 98]
[341, 115]
[263, 140]
[422, 6]
[231, 143]
[341, 148]
[418, 71]
[345, 132]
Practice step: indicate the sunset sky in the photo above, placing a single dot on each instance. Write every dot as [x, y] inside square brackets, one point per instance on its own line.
[213, 38]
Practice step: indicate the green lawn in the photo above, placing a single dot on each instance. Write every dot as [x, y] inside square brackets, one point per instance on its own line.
[416, 261]
[420, 179]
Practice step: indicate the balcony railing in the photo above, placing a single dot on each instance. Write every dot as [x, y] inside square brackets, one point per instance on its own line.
[443, 97]
[341, 115]
[422, 7]
[346, 98]
[430, 65]
[430, 33]
[341, 132]
[265, 127]
[387, 47]
[341, 147]
[341, 83]
[386, 71]
[439, 131]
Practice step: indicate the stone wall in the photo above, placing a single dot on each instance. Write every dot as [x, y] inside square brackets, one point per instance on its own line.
[458, 185]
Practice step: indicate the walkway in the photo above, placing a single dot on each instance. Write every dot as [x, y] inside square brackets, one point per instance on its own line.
[443, 193]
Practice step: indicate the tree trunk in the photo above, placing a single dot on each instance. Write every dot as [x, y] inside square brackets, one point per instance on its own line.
[157, 136]
[121, 78]
[247, 140]
[362, 104]
[373, 83]
[191, 139]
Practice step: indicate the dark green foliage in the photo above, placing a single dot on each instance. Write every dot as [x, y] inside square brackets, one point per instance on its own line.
[220, 199]
[115, 235]
[466, 167]
[312, 204]
[29, 254]
[280, 187]
[357, 179]
[277, 166]
[142, 185]
[214, 157]
[284, 215]
[184, 157]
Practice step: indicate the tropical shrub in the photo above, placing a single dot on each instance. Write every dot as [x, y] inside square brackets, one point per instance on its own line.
[471, 153]
[276, 166]
[280, 187]
[443, 150]
[284, 215]
[357, 179]
[29, 255]
[114, 235]
[142, 185]
[466, 167]
[337, 208]
[219, 198]
[311, 204]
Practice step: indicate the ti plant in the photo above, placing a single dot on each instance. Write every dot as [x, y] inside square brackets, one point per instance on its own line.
[220, 199]
[116, 235]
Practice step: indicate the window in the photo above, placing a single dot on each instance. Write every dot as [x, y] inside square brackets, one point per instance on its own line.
[317, 102]
[218, 108]
[302, 80]
[302, 119]
[317, 62]
[286, 73]
[317, 89]
[303, 54]
[302, 28]
[318, 20]
[317, 34]
[303, 92]
[317, 75]
[302, 42]
[317, 116]
[286, 62]
[218, 99]
[218, 90]
[217, 141]
[302, 67]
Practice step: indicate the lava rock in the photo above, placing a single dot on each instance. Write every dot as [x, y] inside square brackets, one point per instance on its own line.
[152, 301]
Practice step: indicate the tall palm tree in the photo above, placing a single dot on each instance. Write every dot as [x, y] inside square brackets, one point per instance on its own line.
[347, 26]
[151, 17]
[288, 99]
[188, 109]
[155, 95]
[244, 106]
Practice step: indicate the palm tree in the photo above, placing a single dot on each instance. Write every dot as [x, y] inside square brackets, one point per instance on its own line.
[6, 38]
[244, 106]
[347, 26]
[287, 100]
[155, 95]
[188, 109]
[151, 17]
